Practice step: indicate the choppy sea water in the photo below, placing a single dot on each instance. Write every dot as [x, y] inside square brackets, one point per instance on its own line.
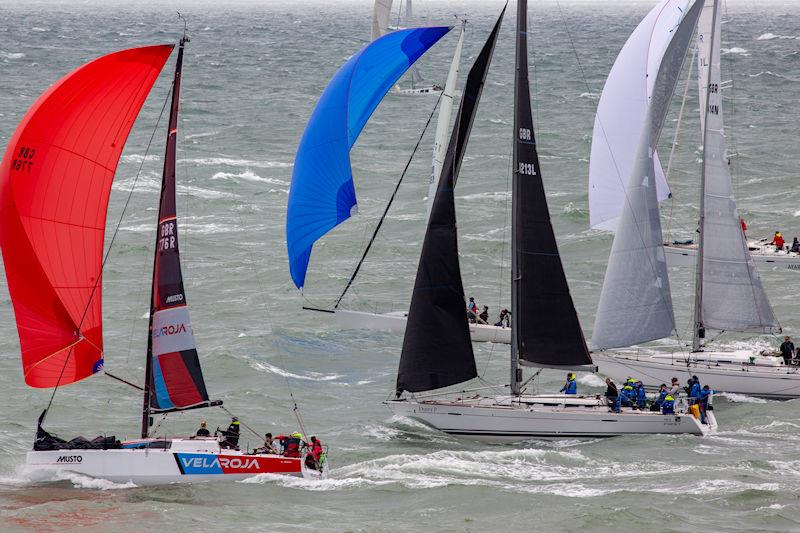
[252, 73]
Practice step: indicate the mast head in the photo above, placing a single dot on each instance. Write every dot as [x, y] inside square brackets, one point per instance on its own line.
[184, 38]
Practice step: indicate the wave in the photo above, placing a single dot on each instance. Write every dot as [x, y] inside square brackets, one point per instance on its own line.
[11, 55]
[590, 96]
[770, 36]
[734, 50]
[247, 175]
[80, 481]
[138, 158]
[219, 161]
[741, 398]
[592, 380]
[187, 228]
[308, 376]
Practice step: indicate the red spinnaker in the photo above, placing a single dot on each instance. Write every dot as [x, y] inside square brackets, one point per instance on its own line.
[55, 181]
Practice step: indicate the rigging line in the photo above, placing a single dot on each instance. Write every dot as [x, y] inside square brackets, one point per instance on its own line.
[253, 431]
[388, 205]
[110, 245]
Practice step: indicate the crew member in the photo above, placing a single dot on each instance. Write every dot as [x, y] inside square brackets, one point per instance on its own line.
[203, 431]
[268, 447]
[472, 310]
[662, 393]
[675, 388]
[571, 386]
[626, 396]
[668, 405]
[744, 226]
[702, 402]
[290, 444]
[315, 454]
[611, 390]
[641, 396]
[505, 319]
[778, 241]
[795, 246]
[232, 434]
[787, 350]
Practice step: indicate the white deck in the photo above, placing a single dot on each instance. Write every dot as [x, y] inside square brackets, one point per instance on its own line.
[763, 254]
[396, 322]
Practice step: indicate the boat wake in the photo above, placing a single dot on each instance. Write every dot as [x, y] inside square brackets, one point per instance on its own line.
[25, 476]
[248, 176]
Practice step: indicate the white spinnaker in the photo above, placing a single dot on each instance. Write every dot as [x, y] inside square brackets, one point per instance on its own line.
[635, 302]
[733, 298]
[381, 12]
[621, 114]
[443, 121]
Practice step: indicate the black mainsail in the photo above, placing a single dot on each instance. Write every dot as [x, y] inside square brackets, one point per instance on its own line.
[437, 349]
[173, 377]
[545, 326]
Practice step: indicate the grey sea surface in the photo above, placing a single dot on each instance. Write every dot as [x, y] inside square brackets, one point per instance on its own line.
[252, 74]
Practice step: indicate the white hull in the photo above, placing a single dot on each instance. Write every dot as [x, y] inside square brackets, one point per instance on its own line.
[396, 322]
[185, 461]
[433, 90]
[732, 372]
[499, 420]
[764, 255]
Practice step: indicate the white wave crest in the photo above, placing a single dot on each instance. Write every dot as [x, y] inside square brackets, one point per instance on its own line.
[247, 175]
[227, 161]
[11, 55]
[138, 158]
[308, 376]
[742, 398]
[592, 380]
[770, 36]
[734, 50]
[80, 481]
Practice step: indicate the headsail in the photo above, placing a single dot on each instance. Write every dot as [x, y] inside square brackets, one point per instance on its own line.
[635, 302]
[732, 297]
[322, 194]
[175, 378]
[443, 120]
[546, 328]
[621, 113]
[55, 182]
[381, 11]
[437, 348]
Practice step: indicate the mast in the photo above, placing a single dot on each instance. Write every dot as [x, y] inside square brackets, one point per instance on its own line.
[698, 331]
[169, 168]
[521, 49]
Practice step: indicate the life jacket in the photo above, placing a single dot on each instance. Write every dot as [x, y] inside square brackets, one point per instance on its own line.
[668, 406]
[694, 392]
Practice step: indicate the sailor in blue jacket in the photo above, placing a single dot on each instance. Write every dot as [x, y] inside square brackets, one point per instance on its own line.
[571, 386]
[626, 396]
[694, 388]
[641, 395]
[702, 401]
[668, 405]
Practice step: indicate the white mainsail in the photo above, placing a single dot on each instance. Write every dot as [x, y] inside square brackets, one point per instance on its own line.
[635, 302]
[730, 291]
[621, 114]
[443, 121]
[381, 12]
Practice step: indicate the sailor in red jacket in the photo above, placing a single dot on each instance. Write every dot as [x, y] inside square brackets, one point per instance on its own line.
[778, 241]
[290, 444]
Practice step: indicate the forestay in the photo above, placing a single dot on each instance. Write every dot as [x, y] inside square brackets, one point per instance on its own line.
[546, 326]
[55, 182]
[621, 114]
[322, 193]
[733, 298]
[635, 302]
[437, 348]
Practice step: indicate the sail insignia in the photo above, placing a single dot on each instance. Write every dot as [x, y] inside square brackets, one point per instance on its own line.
[437, 348]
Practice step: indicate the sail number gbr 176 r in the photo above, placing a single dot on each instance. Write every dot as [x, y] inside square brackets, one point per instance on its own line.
[527, 169]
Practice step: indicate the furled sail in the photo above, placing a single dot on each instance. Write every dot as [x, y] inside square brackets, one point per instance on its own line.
[437, 349]
[55, 181]
[733, 298]
[322, 194]
[381, 11]
[176, 380]
[635, 302]
[443, 120]
[547, 330]
[621, 113]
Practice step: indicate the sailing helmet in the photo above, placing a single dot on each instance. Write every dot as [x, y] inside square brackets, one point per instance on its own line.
[296, 435]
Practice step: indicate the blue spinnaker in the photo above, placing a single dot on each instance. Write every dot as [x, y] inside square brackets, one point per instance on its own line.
[322, 194]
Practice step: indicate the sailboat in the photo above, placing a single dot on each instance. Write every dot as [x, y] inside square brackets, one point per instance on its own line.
[395, 321]
[546, 332]
[636, 303]
[55, 182]
[381, 13]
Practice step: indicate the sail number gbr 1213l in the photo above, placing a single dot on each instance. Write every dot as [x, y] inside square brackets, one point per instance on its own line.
[528, 169]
